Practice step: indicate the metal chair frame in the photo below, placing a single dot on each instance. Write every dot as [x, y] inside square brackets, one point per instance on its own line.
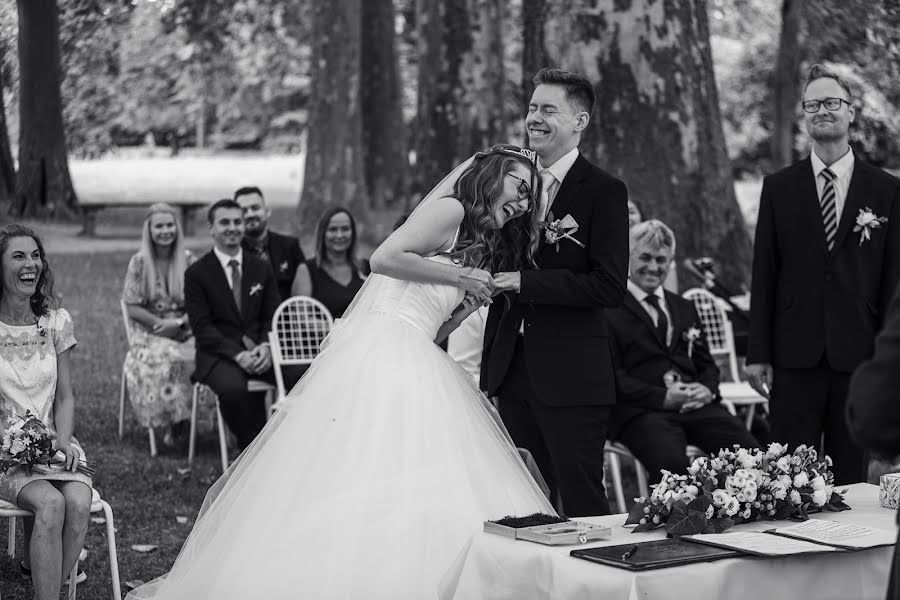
[123, 388]
[299, 326]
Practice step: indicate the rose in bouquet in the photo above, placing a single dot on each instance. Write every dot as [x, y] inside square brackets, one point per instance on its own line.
[29, 443]
[738, 486]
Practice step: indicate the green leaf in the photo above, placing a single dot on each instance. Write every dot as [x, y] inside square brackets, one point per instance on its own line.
[700, 503]
[685, 522]
[648, 526]
[718, 525]
[636, 513]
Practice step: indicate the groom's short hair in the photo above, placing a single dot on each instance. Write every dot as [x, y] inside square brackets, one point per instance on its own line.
[818, 71]
[579, 90]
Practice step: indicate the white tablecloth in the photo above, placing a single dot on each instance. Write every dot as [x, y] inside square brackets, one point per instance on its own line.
[494, 567]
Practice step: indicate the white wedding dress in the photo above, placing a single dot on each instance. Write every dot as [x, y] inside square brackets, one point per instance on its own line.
[382, 463]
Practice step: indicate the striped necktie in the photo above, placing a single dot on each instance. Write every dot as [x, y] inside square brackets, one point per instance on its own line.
[829, 208]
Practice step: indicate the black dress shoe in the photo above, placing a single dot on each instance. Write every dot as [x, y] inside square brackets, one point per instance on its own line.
[25, 573]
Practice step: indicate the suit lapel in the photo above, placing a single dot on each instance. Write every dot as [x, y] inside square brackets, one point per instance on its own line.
[674, 319]
[809, 202]
[568, 189]
[635, 307]
[853, 202]
[220, 280]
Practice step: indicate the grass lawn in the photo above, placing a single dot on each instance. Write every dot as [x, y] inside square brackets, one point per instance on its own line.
[146, 494]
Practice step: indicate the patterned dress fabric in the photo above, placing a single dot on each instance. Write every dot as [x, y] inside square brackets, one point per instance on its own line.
[28, 383]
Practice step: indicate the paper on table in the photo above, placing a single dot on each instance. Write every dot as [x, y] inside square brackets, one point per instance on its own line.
[843, 535]
[757, 542]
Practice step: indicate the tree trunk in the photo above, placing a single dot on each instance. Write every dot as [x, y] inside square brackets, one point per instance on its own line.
[657, 123]
[43, 187]
[482, 105]
[443, 36]
[786, 83]
[534, 53]
[335, 163]
[7, 168]
[383, 130]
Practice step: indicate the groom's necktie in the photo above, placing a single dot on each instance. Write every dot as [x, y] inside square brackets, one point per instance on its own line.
[662, 323]
[829, 208]
[235, 267]
[547, 182]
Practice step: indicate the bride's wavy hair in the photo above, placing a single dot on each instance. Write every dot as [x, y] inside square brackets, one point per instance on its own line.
[42, 300]
[480, 242]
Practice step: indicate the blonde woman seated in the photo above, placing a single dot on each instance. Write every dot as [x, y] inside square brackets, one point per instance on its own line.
[161, 357]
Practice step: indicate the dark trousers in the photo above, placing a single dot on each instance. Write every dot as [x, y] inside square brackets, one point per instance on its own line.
[565, 441]
[244, 412]
[659, 439]
[808, 404]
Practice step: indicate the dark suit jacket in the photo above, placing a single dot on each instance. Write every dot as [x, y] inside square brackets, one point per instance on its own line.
[872, 405]
[285, 255]
[562, 302]
[807, 302]
[641, 358]
[217, 324]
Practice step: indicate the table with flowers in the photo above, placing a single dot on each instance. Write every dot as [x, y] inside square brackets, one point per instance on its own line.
[492, 567]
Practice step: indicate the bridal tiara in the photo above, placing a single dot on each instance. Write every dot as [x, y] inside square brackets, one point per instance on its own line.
[508, 149]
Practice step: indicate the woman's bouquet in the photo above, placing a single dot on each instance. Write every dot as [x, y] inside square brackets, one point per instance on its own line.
[738, 486]
[28, 443]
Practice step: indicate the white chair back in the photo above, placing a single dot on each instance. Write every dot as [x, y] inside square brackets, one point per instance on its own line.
[126, 320]
[716, 326]
[298, 327]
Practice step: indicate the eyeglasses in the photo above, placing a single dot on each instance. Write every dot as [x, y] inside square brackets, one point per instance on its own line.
[831, 104]
[509, 150]
[523, 189]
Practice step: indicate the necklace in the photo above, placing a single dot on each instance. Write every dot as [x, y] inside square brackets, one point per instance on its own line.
[27, 320]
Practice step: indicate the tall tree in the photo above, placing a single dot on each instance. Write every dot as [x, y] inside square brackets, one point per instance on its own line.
[383, 131]
[657, 123]
[7, 168]
[43, 187]
[534, 53]
[786, 83]
[443, 29]
[335, 163]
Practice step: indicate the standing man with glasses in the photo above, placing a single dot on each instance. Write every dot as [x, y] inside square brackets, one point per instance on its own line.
[547, 343]
[826, 260]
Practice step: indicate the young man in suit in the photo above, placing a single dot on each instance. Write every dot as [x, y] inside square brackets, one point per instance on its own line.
[547, 351]
[230, 297]
[668, 381]
[872, 406]
[282, 251]
[826, 260]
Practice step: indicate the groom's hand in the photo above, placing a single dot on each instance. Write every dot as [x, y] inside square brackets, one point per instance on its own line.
[760, 378]
[508, 282]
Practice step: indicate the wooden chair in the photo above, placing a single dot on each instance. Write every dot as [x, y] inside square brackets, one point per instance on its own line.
[11, 512]
[123, 388]
[299, 326]
[720, 338]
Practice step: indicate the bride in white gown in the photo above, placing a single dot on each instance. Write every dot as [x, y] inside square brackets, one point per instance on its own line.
[385, 458]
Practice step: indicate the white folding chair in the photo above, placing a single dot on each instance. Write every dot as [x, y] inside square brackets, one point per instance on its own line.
[123, 390]
[720, 338]
[298, 327]
[11, 512]
[612, 452]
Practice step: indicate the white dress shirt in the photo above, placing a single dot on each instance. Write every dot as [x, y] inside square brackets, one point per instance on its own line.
[558, 170]
[843, 171]
[641, 296]
[224, 259]
[465, 343]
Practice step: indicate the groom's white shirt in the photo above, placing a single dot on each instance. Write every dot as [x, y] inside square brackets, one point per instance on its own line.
[843, 170]
[559, 170]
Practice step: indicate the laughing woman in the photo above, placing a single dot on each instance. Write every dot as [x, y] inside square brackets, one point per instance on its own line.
[34, 377]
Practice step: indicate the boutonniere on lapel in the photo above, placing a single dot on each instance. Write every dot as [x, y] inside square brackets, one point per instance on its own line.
[555, 230]
[283, 266]
[256, 287]
[866, 221]
[691, 336]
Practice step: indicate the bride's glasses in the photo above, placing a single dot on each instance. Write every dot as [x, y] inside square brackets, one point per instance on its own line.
[523, 189]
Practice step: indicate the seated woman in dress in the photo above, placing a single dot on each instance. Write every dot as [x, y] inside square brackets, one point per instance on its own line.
[34, 377]
[161, 357]
[334, 274]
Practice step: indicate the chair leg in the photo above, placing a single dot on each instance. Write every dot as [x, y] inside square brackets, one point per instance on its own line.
[641, 474]
[193, 434]
[268, 403]
[11, 543]
[73, 581]
[223, 439]
[152, 441]
[615, 469]
[751, 412]
[122, 392]
[113, 557]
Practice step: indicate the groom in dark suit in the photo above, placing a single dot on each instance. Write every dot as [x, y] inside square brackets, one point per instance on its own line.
[230, 297]
[668, 381]
[547, 352]
[826, 260]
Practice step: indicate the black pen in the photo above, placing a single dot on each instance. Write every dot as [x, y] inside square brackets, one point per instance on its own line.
[631, 552]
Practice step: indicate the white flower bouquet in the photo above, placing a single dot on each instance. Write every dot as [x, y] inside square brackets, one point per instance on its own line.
[738, 486]
[28, 443]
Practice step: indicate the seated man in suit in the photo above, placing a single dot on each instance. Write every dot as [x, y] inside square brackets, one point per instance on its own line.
[230, 297]
[282, 251]
[668, 382]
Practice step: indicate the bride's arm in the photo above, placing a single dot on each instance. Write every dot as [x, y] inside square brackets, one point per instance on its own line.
[428, 229]
[468, 306]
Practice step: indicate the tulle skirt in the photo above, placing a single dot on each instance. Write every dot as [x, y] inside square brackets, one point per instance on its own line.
[383, 462]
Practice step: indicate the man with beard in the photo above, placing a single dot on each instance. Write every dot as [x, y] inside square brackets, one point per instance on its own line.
[282, 251]
[826, 261]
[230, 297]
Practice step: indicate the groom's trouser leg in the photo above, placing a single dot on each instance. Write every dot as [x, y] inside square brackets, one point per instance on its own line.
[807, 403]
[244, 412]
